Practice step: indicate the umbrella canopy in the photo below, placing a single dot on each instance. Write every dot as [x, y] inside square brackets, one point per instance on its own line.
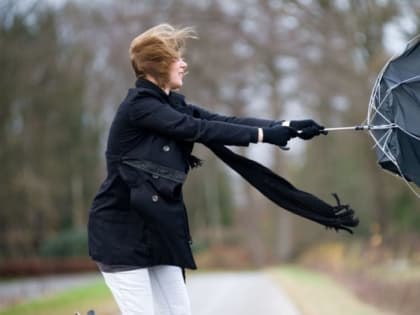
[395, 104]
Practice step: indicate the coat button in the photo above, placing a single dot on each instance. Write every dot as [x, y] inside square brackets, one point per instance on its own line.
[155, 176]
[166, 148]
[155, 198]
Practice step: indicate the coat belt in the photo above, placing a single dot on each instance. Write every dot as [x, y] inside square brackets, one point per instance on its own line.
[156, 169]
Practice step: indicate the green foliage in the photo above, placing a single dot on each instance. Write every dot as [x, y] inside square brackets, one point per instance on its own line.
[209, 196]
[225, 199]
[68, 243]
[50, 141]
[404, 212]
[199, 246]
[93, 296]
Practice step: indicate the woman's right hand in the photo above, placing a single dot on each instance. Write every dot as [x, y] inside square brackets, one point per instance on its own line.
[278, 135]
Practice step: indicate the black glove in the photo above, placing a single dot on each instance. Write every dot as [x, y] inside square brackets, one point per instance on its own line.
[278, 135]
[300, 124]
[309, 132]
[307, 129]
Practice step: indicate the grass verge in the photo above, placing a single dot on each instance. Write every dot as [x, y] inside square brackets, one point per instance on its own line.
[318, 294]
[93, 296]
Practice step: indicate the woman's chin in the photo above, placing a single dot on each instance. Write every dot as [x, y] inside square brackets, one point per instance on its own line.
[176, 86]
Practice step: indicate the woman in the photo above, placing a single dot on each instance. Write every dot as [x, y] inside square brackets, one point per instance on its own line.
[138, 225]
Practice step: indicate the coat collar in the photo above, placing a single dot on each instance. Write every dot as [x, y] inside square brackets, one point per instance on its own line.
[146, 84]
[173, 98]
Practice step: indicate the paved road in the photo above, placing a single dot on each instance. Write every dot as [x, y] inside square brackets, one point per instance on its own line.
[244, 293]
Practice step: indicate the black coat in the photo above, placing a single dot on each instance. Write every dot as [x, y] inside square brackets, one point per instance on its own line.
[138, 216]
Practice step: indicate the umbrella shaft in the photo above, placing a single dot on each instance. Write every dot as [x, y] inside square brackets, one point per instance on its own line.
[362, 127]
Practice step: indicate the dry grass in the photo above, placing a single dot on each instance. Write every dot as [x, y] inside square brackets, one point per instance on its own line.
[317, 294]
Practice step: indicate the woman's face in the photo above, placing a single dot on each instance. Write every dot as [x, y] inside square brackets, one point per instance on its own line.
[177, 70]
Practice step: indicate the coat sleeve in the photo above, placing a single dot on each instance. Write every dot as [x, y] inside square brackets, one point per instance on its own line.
[151, 114]
[247, 121]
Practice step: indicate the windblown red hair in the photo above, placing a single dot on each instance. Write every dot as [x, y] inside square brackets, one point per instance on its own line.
[152, 52]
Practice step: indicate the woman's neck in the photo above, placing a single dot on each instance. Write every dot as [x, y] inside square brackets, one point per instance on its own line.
[151, 79]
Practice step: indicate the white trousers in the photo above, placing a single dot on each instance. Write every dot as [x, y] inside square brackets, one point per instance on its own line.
[149, 291]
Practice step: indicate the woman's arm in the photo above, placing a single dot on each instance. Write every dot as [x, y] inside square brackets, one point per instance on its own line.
[247, 121]
[150, 113]
[307, 128]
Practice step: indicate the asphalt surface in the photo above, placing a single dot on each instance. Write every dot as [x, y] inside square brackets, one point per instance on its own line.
[244, 293]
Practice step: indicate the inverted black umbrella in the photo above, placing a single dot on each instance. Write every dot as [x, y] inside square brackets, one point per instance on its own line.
[393, 118]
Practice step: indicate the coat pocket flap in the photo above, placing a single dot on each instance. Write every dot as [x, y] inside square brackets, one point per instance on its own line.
[165, 181]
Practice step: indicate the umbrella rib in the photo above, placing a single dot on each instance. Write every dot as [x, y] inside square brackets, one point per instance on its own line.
[384, 151]
[378, 142]
[376, 109]
[408, 133]
[371, 113]
[395, 124]
[388, 92]
[408, 80]
[373, 95]
[377, 85]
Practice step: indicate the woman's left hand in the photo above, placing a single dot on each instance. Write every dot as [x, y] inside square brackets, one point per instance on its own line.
[307, 129]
